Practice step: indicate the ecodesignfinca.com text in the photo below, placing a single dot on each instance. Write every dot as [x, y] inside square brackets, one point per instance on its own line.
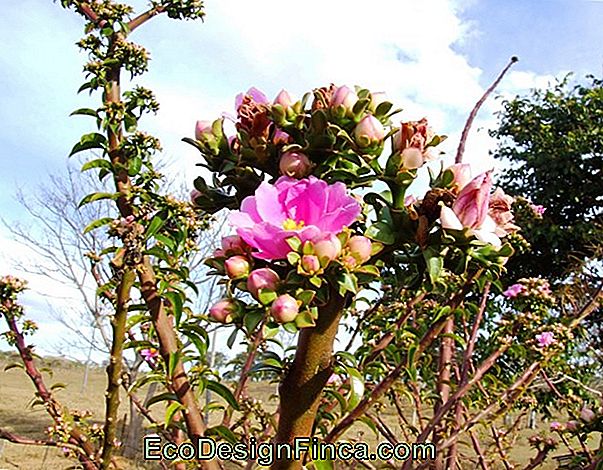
[267, 453]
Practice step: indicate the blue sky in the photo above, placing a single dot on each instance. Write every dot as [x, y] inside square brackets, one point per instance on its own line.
[434, 58]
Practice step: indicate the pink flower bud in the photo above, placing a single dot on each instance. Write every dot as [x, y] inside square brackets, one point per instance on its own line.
[471, 205]
[461, 175]
[369, 131]
[310, 264]
[295, 165]
[412, 158]
[377, 98]
[344, 96]
[572, 425]
[586, 414]
[203, 128]
[280, 137]
[263, 278]
[538, 209]
[360, 248]
[237, 267]
[223, 310]
[284, 99]
[328, 247]
[233, 244]
[284, 309]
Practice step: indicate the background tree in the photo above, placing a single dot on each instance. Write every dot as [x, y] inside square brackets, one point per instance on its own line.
[553, 142]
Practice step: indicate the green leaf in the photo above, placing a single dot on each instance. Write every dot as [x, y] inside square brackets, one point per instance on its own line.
[173, 362]
[155, 224]
[97, 197]
[97, 223]
[266, 296]
[306, 296]
[84, 112]
[14, 365]
[134, 166]
[94, 140]
[252, 319]
[223, 432]
[435, 264]
[97, 163]
[304, 319]
[294, 243]
[347, 283]
[222, 391]
[232, 338]
[356, 387]
[162, 397]
[175, 299]
[381, 232]
[323, 464]
[170, 412]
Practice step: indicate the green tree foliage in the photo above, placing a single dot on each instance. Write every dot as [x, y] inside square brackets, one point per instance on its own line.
[553, 140]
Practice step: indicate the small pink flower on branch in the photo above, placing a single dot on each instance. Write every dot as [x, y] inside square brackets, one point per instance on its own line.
[223, 310]
[203, 129]
[284, 99]
[344, 97]
[308, 209]
[545, 339]
[411, 141]
[557, 426]
[586, 414]
[149, 354]
[328, 247]
[237, 267]
[360, 248]
[461, 175]
[369, 131]
[538, 209]
[513, 291]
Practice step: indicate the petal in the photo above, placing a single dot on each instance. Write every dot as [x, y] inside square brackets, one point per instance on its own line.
[487, 237]
[449, 220]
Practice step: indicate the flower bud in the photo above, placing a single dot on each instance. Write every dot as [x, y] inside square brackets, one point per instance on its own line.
[344, 96]
[203, 128]
[310, 264]
[284, 99]
[295, 165]
[369, 131]
[237, 267]
[412, 158]
[284, 309]
[223, 310]
[263, 278]
[557, 426]
[572, 425]
[328, 247]
[360, 248]
[471, 205]
[233, 244]
[586, 414]
[280, 137]
[194, 195]
[376, 99]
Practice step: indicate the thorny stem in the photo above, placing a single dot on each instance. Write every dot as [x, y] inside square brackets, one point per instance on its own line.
[301, 388]
[114, 369]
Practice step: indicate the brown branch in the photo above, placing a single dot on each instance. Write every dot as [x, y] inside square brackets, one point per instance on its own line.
[144, 17]
[114, 369]
[461, 148]
[54, 409]
[16, 439]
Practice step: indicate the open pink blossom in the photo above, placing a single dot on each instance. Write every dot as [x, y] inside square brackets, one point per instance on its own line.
[514, 291]
[545, 339]
[308, 209]
[538, 209]
[149, 354]
[499, 209]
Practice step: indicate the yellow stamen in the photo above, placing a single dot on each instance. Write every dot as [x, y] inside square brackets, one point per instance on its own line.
[291, 224]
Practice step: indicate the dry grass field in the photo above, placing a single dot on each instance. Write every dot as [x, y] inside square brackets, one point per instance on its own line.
[17, 415]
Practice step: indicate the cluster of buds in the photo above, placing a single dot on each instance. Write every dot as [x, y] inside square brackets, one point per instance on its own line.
[533, 287]
[586, 420]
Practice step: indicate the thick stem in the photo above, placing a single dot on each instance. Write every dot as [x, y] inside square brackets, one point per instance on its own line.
[114, 369]
[443, 385]
[301, 389]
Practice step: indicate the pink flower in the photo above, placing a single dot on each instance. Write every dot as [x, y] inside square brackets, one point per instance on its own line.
[586, 414]
[499, 209]
[149, 354]
[470, 211]
[295, 164]
[252, 113]
[411, 141]
[237, 267]
[369, 131]
[252, 94]
[223, 310]
[308, 209]
[202, 129]
[461, 175]
[572, 425]
[545, 339]
[514, 291]
[284, 309]
[263, 278]
[410, 200]
[538, 209]
[284, 99]
[557, 426]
